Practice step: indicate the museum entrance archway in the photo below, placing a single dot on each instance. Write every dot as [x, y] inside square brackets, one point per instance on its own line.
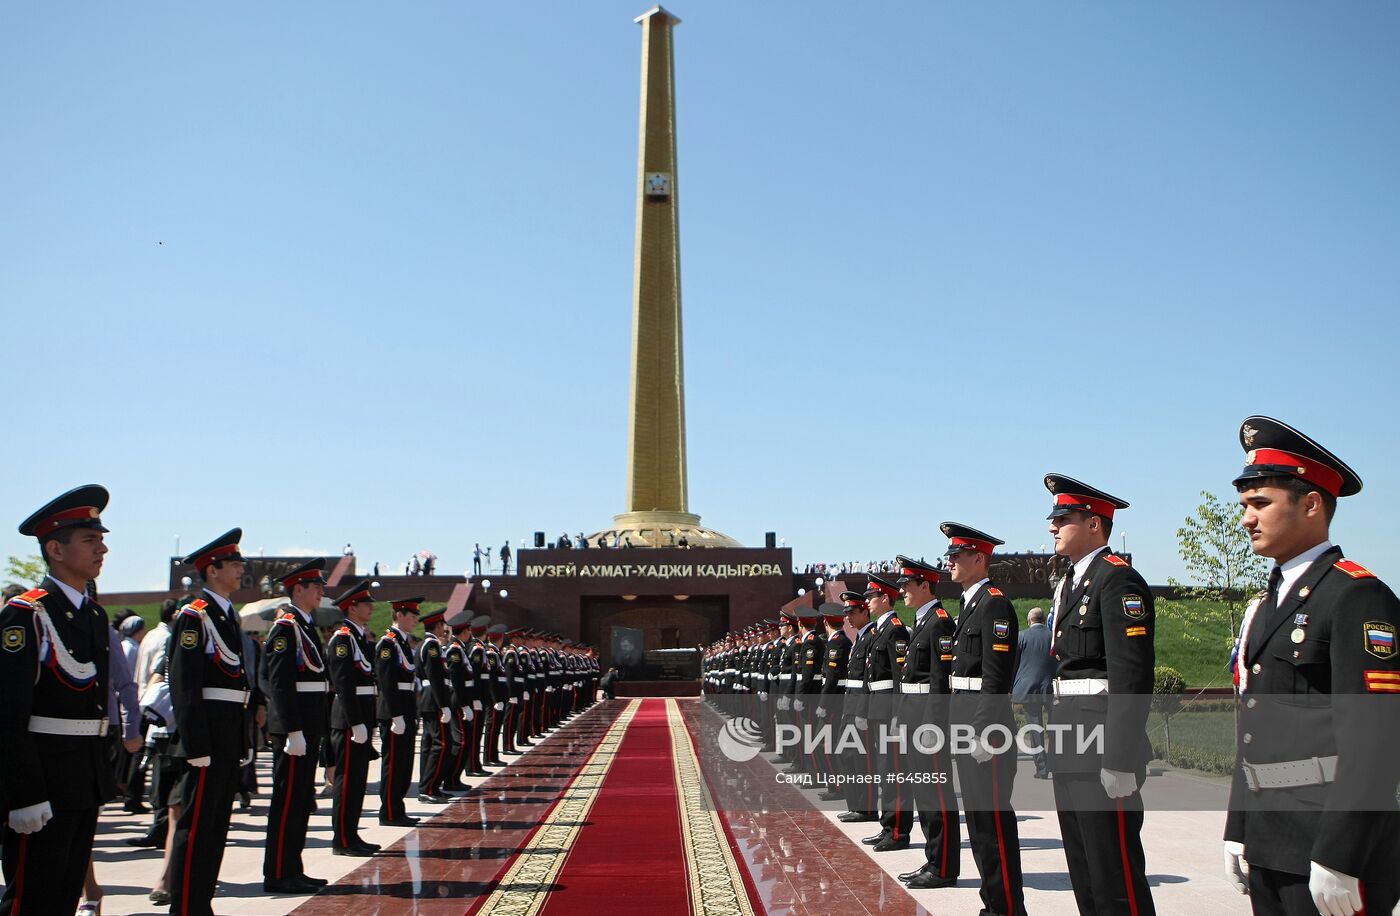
[653, 637]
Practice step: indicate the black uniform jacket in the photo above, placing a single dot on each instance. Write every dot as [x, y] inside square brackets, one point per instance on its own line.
[1324, 680]
[1104, 630]
[348, 655]
[808, 663]
[204, 656]
[294, 677]
[857, 697]
[393, 670]
[67, 771]
[434, 692]
[888, 648]
[985, 647]
[838, 656]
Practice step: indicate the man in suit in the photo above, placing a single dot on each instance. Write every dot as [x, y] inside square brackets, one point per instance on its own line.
[1312, 803]
[294, 681]
[397, 711]
[348, 655]
[209, 692]
[888, 644]
[1102, 627]
[984, 665]
[54, 677]
[1035, 669]
[434, 708]
[924, 700]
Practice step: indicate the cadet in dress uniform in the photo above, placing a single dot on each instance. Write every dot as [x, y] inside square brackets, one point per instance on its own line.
[984, 668]
[434, 709]
[454, 660]
[397, 711]
[787, 663]
[858, 763]
[482, 696]
[294, 681]
[1312, 805]
[885, 663]
[500, 693]
[1102, 636]
[349, 658]
[463, 693]
[923, 687]
[827, 713]
[54, 772]
[209, 691]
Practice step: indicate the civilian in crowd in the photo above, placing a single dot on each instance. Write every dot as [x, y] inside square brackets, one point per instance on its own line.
[1035, 669]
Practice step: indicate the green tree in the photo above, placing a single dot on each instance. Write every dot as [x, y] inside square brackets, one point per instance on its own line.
[1167, 688]
[1218, 555]
[26, 571]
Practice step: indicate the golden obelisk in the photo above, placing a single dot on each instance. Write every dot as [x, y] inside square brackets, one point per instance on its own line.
[657, 512]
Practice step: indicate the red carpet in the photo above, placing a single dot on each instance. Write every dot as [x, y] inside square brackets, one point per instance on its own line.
[630, 856]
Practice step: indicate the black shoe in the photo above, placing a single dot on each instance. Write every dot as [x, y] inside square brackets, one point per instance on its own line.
[289, 886]
[149, 842]
[435, 799]
[829, 795]
[481, 773]
[877, 838]
[244, 802]
[928, 880]
[1043, 775]
[319, 882]
[358, 851]
[402, 820]
[855, 817]
[458, 791]
[911, 875]
[890, 844]
[367, 846]
[135, 807]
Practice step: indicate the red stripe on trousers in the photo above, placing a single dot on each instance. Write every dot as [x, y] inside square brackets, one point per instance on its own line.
[287, 807]
[19, 873]
[1127, 868]
[896, 796]
[943, 810]
[189, 843]
[442, 752]
[1001, 842]
[389, 777]
[344, 777]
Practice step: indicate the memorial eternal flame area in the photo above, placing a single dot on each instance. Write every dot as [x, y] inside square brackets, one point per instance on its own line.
[669, 721]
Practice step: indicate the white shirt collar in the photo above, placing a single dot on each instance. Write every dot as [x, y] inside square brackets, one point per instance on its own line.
[868, 625]
[224, 604]
[923, 610]
[1082, 566]
[74, 596]
[302, 615]
[971, 591]
[1293, 570]
[355, 627]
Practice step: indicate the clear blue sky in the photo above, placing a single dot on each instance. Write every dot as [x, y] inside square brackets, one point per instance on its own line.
[351, 272]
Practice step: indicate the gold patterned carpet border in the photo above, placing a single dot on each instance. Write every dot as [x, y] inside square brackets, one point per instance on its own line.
[716, 884]
[525, 887]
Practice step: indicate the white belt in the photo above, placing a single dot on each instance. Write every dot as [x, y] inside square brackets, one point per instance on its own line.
[1315, 771]
[881, 685]
[367, 691]
[405, 685]
[311, 686]
[852, 683]
[76, 728]
[520, 680]
[425, 683]
[785, 677]
[964, 683]
[503, 680]
[549, 690]
[1080, 687]
[226, 694]
[913, 688]
[471, 683]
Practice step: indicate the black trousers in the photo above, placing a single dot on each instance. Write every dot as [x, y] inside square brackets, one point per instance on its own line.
[395, 767]
[1279, 893]
[348, 788]
[432, 758]
[455, 750]
[896, 799]
[45, 871]
[991, 828]
[494, 741]
[480, 733]
[1099, 836]
[206, 795]
[858, 763]
[937, 804]
[293, 787]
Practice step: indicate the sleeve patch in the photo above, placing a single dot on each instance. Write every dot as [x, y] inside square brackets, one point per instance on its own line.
[1001, 647]
[1383, 681]
[1355, 570]
[279, 644]
[1000, 628]
[384, 652]
[1380, 638]
[1137, 631]
[13, 639]
[189, 639]
[342, 650]
[1134, 608]
[945, 644]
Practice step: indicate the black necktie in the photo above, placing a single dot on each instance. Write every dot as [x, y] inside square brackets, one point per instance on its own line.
[1270, 603]
[1264, 621]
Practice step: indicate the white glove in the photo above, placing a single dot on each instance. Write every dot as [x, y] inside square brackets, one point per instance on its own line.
[1236, 868]
[1333, 893]
[821, 712]
[861, 723]
[359, 734]
[499, 707]
[397, 725]
[445, 715]
[782, 703]
[980, 753]
[763, 695]
[527, 694]
[467, 714]
[247, 759]
[1117, 784]
[205, 761]
[797, 705]
[31, 819]
[514, 700]
[295, 746]
[476, 704]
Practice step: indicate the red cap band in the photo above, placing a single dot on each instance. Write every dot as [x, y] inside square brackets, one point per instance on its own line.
[348, 600]
[928, 575]
[404, 605]
[976, 544]
[60, 519]
[204, 562]
[429, 620]
[300, 577]
[1310, 471]
[1087, 503]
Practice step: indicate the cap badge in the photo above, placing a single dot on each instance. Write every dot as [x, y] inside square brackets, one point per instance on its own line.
[1248, 432]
